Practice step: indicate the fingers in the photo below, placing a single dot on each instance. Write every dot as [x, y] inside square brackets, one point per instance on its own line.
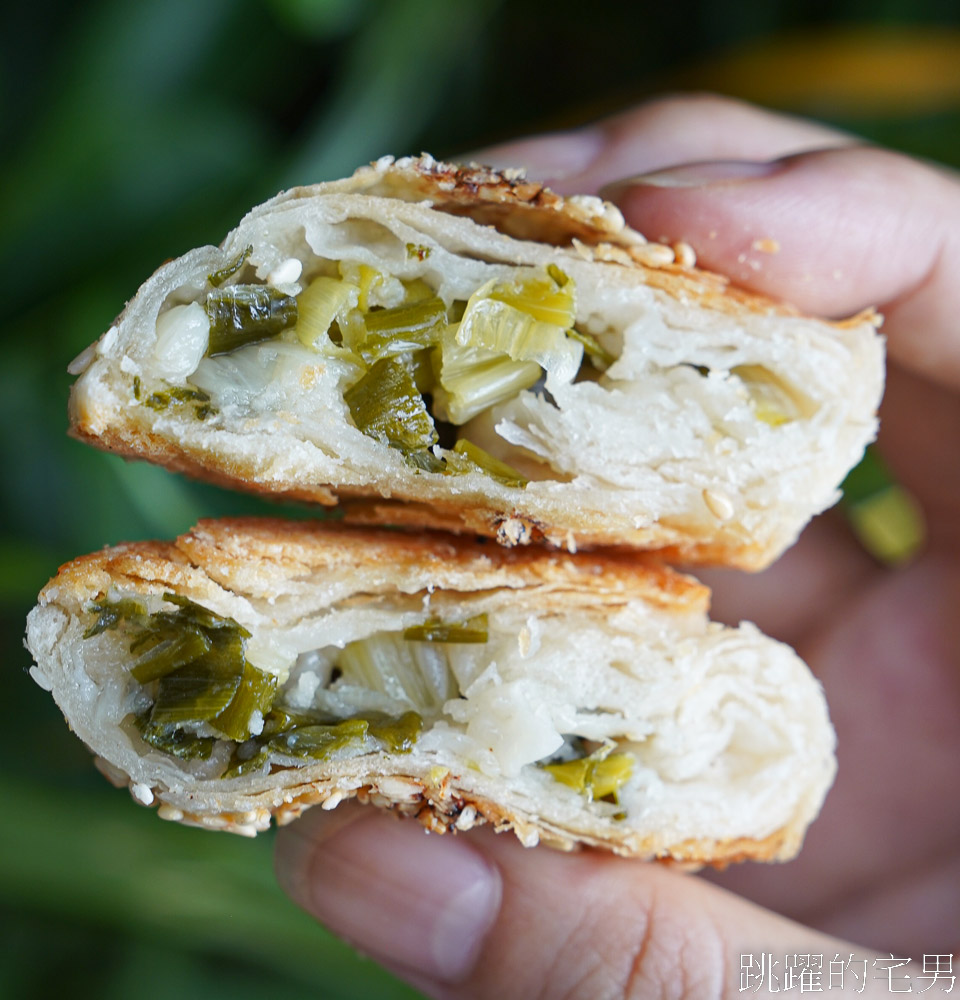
[481, 916]
[832, 231]
[888, 831]
[805, 588]
[656, 134]
[785, 207]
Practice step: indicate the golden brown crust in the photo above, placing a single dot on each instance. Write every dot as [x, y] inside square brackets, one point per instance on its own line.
[104, 409]
[526, 209]
[516, 528]
[221, 549]
[264, 560]
[442, 808]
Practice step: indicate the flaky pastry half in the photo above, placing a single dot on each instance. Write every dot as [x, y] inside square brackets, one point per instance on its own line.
[254, 668]
[466, 349]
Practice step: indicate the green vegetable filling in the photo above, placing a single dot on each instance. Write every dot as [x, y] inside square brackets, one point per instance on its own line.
[408, 328]
[176, 395]
[217, 278]
[468, 457]
[386, 405]
[472, 630]
[246, 314]
[464, 357]
[304, 738]
[599, 775]
[194, 658]
[195, 661]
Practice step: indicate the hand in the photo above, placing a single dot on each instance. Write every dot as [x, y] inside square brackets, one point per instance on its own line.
[802, 213]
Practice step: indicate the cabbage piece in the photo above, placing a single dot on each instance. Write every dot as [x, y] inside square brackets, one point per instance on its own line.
[502, 328]
[472, 379]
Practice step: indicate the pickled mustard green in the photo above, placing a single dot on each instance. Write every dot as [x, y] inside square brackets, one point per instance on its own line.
[599, 775]
[246, 314]
[386, 405]
[217, 278]
[468, 457]
[472, 630]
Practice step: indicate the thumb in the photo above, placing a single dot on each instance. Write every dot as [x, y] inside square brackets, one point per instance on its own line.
[482, 916]
[833, 231]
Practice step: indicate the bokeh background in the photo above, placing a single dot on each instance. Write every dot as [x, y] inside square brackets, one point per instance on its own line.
[134, 131]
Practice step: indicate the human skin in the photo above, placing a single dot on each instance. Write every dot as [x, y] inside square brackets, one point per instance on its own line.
[807, 214]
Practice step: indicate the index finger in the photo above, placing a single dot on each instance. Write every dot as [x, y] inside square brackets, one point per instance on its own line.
[673, 129]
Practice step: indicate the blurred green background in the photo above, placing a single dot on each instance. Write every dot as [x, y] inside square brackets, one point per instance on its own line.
[134, 131]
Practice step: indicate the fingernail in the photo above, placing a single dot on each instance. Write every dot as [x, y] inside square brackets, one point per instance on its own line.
[547, 159]
[698, 175]
[397, 893]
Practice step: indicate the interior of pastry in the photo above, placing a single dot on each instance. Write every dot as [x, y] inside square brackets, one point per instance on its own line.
[677, 728]
[452, 367]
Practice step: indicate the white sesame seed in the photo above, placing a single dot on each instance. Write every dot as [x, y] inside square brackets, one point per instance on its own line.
[719, 505]
[142, 794]
[654, 254]
[286, 272]
[40, 679]
[466, 819]
[685, 254]
[528, 837]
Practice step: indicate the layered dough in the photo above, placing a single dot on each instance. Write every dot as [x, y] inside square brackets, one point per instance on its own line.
[721, 737]
[722, 424]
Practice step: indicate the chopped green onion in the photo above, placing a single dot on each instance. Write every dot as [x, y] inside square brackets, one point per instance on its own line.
[301, 736]
[245, 314]
[219, 277]
[240, 766]
[560, 277]
[196, 614]
[473, 630]
[610, 774]
[318, 742]
[386, 405]
[195, 656]
[197, 692]
[111, 613]
[279, 720]
[468, 457]
[425, 461]
[175, 394]
[417, 251]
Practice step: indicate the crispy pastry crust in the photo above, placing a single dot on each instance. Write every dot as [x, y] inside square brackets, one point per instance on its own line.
[265, 561]
[582, 226]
